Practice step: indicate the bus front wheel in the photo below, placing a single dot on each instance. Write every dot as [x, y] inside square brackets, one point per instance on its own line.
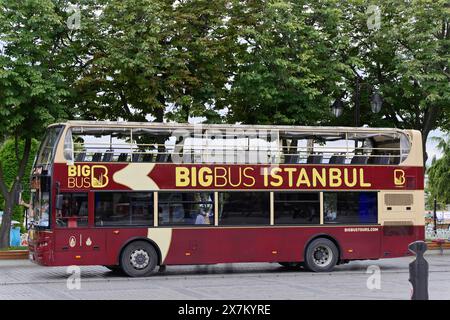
[138, 259]
[321, 255]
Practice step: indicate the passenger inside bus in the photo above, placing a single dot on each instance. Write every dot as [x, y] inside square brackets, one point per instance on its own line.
[74, 211]
[186, 208]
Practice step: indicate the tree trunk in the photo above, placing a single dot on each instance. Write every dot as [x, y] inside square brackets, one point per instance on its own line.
[6, 222]
[10, 195]
[185, 111]
[424, 150]
[430, 119]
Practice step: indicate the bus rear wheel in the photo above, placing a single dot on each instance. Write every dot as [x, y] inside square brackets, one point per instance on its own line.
[321, 255]
[138, 259]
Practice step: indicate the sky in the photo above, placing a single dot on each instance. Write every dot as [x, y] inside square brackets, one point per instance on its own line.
[431, 146]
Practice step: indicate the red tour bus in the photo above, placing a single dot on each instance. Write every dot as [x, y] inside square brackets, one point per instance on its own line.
[131, 196]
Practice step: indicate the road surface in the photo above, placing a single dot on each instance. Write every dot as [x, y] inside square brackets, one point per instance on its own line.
[20, 279]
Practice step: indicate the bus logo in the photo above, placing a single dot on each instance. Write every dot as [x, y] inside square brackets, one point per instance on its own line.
[85, 176]
[99, 176]
[399, 177]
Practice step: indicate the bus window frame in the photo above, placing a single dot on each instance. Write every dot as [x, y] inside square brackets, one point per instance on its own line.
[36, 164]
[92, 213]
[88, 224]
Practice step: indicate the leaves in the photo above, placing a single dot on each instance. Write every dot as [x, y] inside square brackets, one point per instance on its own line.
[280, 75]
[31, 84]
[439, 173]
[145, 56]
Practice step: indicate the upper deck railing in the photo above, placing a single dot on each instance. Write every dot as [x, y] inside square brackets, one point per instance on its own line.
[109, 142]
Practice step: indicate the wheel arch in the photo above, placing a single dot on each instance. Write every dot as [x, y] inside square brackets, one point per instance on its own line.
[134, 239]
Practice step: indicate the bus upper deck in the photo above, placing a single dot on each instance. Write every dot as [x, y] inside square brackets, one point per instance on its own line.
[95, 141]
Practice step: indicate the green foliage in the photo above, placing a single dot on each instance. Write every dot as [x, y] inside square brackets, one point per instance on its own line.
[407, 59]
[10, 165]
[31, 83]
[146, 55]
[264, 61]
[288, 67]
[14, 248]
[439, 173]
[429, 203]
[246, 61]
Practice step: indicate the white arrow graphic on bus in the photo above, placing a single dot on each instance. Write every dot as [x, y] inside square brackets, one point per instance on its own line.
[135, 176]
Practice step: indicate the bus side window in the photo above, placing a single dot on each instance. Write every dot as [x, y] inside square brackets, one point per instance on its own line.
[350, 207]
[74, 211]
[123, 208]
[186, 208]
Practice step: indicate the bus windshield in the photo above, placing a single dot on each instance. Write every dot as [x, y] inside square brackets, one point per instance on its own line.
[48, 146]
[40, 202]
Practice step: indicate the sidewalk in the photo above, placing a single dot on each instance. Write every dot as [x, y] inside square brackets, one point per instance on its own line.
[28, 263]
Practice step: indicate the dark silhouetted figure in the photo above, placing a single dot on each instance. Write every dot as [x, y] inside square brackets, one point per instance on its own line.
[418, 271]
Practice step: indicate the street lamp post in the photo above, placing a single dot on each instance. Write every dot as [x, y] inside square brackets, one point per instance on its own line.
[357, 104]
[376, 103]
[435, 217]
[337, 108]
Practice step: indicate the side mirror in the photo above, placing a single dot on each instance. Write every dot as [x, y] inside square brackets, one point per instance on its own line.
[59, 202]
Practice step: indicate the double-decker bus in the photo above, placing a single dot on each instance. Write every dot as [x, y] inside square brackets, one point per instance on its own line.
[133, 196]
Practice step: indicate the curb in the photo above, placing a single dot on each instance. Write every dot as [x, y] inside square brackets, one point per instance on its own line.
[14, 255]
[436, 246]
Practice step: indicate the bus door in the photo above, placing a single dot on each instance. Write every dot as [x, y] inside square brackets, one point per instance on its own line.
[74, 239]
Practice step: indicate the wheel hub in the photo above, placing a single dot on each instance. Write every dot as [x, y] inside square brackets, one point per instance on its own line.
[322, 256]
[139, 259]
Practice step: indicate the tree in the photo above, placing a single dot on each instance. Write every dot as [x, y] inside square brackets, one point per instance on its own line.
[10, 165]
[439, 173]
[144, 56]
[287, 66]
[405, 57]
[32, 86]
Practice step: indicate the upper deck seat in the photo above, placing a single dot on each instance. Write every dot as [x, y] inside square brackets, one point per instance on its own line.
[80, 156]
[291, 158]
[337, 159]
[122, 157]
[395, 159]
[314, 158]
[148, 157]
[162, 157]
[107, 157]
[359, 159]
[97, 157]
[381, 159]
[136, 157]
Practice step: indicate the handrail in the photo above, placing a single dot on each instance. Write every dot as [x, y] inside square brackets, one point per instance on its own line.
[203, 149]
[219, 148]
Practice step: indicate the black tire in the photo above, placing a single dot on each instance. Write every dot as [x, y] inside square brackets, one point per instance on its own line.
[114, 268]
[291, 265]
[138, 259]
[321, 255]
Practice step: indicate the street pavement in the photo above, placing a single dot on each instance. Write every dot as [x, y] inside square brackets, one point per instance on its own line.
[20, 279]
